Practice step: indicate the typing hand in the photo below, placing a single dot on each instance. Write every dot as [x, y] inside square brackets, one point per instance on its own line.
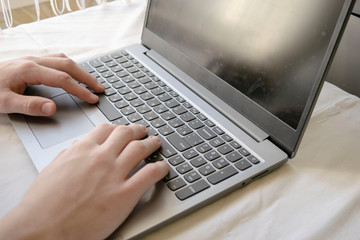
[53, 70]
[86, 192]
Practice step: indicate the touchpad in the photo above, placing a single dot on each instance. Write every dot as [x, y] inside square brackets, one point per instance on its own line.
[68, 122]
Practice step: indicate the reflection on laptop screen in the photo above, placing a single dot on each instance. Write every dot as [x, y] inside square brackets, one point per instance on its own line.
[270, 51]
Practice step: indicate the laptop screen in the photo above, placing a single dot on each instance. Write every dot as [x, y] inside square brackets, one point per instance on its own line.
[269, 51]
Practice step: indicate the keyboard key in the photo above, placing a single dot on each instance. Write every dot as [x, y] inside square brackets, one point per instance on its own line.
[124, 90]
[150, 115]
[209, 123]
[143, 109]
[196, 124]
[212, 155]
[222, 175]
[234, 156]
[203, 148]
[157, 123]
[176, 122]
[225, 149]
[191, 190]
[176, 160]
[130, 96]
[218, 130]
[121, 104]
[166, 149]
[206, 133]
[96, 63]
[146, 96]
[253, 159]
[235, 145]
[154, 158]
[243, 165]
[160, 109]
[179, 110]
[220, 163]
[136, 102]
[178, 142]
[153, 102]
[184, 168]
[192, 176]
[121, 121]
[127, 110]
[115, 98]
[189, 154]
[157, 91]
[184, 130]
[227, 137]
[187, 117]
[109, 92]
[244, 152]
[166, 130]
[135, 117]
[176, 184]
[172, 103]
[198, 161]
[110, 112]
[168, 116]
[194, 139]
[164, 97]
[216, 142]
[206, 170]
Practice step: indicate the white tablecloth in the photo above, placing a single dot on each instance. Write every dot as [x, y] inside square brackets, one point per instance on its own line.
[316, 195]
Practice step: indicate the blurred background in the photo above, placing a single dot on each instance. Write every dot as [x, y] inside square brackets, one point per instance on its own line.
[23, 11]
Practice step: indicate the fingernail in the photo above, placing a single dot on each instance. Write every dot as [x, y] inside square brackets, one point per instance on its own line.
[46, 108]
[155, 138]
[95, 98]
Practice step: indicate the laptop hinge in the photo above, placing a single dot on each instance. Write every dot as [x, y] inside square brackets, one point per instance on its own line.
[246, 125]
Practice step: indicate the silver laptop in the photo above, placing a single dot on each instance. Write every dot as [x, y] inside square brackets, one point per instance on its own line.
[228, 85]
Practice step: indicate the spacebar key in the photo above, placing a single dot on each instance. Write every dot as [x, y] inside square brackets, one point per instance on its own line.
[108, 109]
[192, 189]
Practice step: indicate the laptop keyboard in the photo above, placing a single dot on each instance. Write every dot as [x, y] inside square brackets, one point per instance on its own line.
[200, 153]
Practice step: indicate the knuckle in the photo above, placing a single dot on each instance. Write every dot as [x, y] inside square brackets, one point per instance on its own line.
[25, 65]
[65, 78]
[61, 55]
[68, 63]
[126, 130]
[139, 146]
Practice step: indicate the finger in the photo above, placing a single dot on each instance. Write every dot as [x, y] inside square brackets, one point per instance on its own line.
[135, 152]
[54, 78]
[147, 176]
[65, 64]
[29, 105]
[100, 133]
[122, 135]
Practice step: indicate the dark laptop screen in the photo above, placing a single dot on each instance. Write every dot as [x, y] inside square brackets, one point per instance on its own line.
[270, 51]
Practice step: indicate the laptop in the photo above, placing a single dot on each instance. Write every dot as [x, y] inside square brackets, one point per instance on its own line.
[229, 86]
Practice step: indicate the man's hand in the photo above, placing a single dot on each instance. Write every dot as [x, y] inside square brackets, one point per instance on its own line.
[54, 70]
[86, 192]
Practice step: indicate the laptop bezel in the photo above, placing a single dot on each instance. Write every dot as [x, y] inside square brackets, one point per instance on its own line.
[287, 138]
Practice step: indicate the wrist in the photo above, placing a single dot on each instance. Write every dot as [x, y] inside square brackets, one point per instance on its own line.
[19, 225]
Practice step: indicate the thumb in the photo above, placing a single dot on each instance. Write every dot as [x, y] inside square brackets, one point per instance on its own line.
[30, 105]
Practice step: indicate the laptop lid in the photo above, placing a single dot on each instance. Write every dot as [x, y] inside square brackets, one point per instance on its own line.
[265, 59]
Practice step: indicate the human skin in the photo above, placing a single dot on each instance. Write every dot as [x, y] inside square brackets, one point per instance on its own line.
[86, 191]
